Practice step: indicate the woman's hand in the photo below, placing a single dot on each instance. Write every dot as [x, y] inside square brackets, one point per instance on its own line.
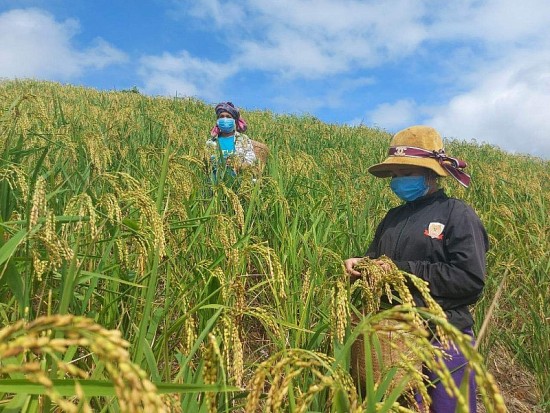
[349, 264]
[384, 265]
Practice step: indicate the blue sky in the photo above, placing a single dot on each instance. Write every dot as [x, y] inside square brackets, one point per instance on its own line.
[474, 69]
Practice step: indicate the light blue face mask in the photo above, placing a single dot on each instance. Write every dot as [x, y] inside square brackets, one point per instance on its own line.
[409, 188]
[226, 125]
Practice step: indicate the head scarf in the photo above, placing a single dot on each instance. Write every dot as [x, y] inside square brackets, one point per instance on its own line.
[235, 114]
[229, 108]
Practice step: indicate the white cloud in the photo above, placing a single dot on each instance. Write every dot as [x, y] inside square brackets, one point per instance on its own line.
[211, 10]
[492, 21]
[488, 58]
[315, 38]
[34, 44]
[493, 61]
[394, 117]
[508, 108]
[312, 38]
[183, 74]
[100, 55]
[291, 55]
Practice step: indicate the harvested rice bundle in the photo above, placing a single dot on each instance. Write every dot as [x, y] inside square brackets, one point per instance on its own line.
[391, 341]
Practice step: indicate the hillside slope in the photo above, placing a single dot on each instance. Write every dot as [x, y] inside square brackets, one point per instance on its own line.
[117, 185]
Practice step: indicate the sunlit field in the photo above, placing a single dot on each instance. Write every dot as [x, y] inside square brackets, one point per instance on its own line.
[130, 281]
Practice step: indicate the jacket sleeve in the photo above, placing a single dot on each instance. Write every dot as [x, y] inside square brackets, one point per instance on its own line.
[461, 277]
[374, 247]
[211, 149]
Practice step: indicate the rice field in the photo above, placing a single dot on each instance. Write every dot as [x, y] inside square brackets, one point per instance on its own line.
[130, 281]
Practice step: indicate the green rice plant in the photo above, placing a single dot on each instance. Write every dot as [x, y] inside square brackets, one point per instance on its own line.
[25, 346]
[108, 211]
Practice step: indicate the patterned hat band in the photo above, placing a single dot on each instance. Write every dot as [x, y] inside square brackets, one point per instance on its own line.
[453, 166]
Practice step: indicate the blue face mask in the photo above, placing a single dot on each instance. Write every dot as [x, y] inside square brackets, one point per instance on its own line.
[226, 125]
[409, 188]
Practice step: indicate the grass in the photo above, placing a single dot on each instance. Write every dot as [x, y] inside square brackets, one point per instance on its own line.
[107, 212]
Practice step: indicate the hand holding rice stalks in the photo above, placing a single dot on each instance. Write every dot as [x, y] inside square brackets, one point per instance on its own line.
[400, 338]
[381, 277]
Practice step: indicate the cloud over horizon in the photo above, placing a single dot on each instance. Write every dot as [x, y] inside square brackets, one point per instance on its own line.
[473, 69]
[34, 44]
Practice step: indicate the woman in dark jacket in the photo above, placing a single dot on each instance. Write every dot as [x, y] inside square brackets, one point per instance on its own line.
[437, 238]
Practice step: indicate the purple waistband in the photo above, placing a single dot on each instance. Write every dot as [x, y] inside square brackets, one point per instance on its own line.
[453, 166]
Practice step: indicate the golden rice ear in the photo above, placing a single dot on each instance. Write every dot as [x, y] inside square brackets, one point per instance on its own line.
[54, 334]
[390, 347]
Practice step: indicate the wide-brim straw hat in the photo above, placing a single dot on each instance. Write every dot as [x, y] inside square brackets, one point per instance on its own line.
[422, 137]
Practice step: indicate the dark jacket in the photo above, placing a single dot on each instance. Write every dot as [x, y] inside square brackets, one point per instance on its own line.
[442, 241]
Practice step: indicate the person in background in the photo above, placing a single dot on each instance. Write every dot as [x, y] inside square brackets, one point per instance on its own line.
[228, 146]
[435, 237]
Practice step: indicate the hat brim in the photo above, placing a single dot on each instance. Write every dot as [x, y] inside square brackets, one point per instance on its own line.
[394, 163]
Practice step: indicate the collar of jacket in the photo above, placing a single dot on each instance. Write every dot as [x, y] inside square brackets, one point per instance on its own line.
[236, 135]
[428, 199]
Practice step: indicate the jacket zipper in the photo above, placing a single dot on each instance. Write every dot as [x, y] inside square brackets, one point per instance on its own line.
[397, 254]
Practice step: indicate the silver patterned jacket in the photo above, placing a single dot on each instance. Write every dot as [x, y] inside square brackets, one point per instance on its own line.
[243, 149]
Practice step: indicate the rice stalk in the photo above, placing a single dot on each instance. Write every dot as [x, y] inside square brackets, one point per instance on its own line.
[55, 335]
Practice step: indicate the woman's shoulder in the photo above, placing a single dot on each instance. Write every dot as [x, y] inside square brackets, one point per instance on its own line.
[242, 139]
[242, 136]
[458, 203]
[460, 209]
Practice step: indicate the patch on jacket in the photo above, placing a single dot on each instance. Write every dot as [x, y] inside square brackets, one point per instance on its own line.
[435, 230]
